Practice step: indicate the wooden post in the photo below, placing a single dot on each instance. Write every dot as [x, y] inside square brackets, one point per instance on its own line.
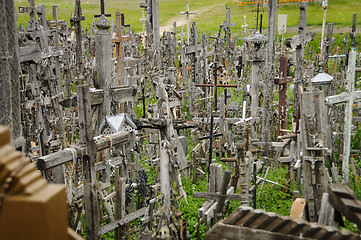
[164, 179]
[119, 204]
[91, 203]
[270, 55]
[9, 70]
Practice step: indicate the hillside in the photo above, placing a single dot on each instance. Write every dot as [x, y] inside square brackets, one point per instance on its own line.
[210, 14]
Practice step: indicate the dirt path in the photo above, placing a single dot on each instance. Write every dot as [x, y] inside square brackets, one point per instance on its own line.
[182, 19]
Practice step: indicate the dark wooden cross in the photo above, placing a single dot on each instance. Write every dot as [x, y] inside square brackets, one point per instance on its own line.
[353, 33]
[102, 10]
[118, 40]
[282, 81]
[143, 97]
[210, 137]
[215, 86]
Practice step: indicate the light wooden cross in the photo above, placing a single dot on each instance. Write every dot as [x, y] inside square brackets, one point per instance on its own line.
[349, 97]
[187, 13]
[118, 40]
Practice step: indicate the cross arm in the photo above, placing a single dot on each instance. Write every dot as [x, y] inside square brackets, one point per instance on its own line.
[344, 97]
[216, 195]
[212, 136]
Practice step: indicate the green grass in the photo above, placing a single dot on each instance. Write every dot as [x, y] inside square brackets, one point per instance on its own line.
[210, 13]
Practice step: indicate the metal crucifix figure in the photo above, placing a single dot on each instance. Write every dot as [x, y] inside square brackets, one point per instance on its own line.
[210, 137]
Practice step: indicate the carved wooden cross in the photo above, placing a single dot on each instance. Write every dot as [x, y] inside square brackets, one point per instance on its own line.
[118, 40]
[76, 21]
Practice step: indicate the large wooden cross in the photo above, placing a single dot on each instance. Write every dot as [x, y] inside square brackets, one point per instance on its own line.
[187, 13]
[118, 40]
[77, 18]
[349, 97]
[282, 81]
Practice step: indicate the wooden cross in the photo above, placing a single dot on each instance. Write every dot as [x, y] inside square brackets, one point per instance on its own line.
[216, 86]
[282, 81]
[76, 21]
[210, 137]
[31, 11]
[347, 98]
[187, 13]
[221, 196]
[353, 33]
[227, 24]
[118, 40]
[102, 10]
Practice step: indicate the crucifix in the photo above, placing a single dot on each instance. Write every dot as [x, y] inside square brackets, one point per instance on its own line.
[102, 10]
[210, 137]
[118, 40]
[349, 98]
[75, 20]
[187, 13]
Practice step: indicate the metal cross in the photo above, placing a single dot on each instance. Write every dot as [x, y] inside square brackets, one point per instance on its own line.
[210, 137]
[143, 98]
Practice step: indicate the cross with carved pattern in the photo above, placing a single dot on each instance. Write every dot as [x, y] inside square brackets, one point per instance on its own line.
[102, 10]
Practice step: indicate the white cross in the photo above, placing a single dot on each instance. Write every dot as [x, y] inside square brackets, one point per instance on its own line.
[187, 13]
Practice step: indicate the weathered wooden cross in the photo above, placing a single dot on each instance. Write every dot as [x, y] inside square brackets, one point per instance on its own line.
[347, 98]
[187, 13]
[118, 40]
[75, 20]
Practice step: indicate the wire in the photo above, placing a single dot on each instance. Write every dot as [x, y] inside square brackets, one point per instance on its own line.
[281, 1]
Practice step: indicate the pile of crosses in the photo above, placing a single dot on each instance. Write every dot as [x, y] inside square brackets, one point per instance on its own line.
[112, 114]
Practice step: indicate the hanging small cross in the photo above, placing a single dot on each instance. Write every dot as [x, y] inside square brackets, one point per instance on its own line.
[102, 10]
[187, 13]
[210, 137]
